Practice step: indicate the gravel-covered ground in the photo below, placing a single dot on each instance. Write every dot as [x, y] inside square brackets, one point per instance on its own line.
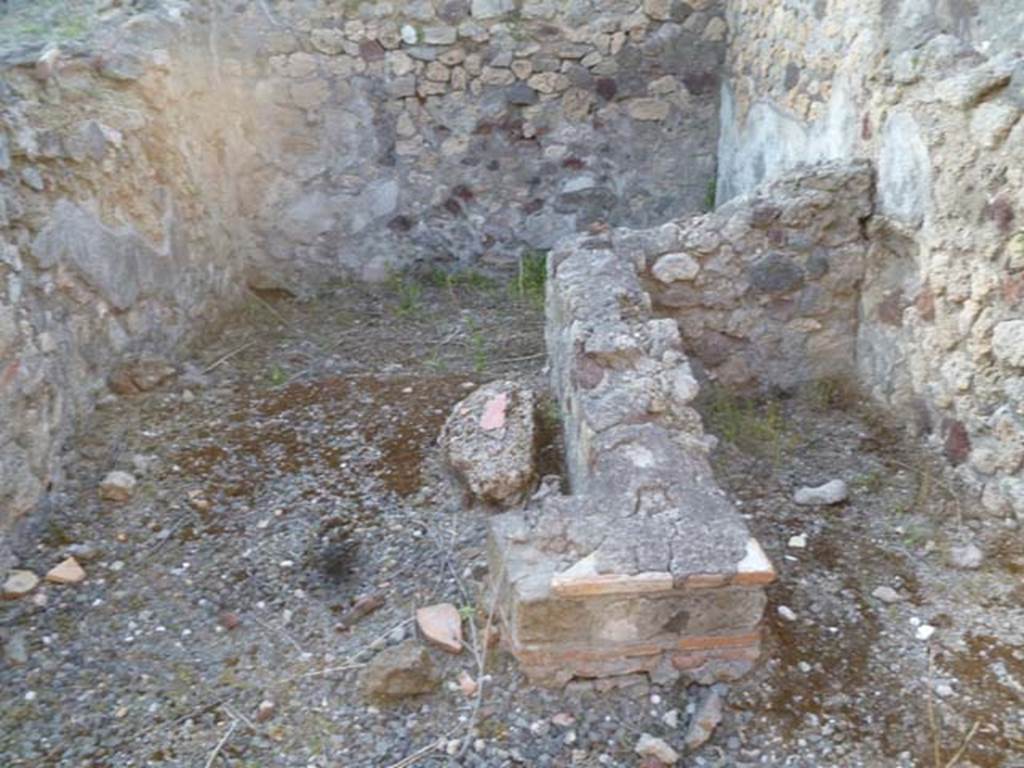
[289, 470]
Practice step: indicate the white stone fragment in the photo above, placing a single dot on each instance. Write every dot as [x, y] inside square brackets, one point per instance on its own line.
[887, 595]
[797, 542]
[969, 557]
[832, 492]
[652, 746]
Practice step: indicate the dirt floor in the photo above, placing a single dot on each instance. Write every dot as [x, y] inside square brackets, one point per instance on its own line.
[290, 471]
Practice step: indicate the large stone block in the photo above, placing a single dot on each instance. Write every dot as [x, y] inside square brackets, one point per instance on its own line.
[489, 443]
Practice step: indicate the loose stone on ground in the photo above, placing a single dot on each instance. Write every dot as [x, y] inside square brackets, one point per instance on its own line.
[441, 625]
[117, 486]
[832, 492]
[652, 746]
[399, 672]
[68, 571]
[19, 583]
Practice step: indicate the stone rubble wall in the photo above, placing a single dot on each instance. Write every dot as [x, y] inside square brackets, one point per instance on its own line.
[932, 94]
[766, 289]
[153, 163]
[646, 566]
[118, 224]
[462, 133]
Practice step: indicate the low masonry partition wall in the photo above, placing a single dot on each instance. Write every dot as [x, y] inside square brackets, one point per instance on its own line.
[646, 566]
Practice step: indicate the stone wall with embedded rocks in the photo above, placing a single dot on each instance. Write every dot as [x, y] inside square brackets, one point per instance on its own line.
[461, 132]
[155, 161]
[119, 224]
[932, 93]
[765, 289]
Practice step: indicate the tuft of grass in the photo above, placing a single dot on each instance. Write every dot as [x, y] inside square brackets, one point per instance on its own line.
[916, 534]
[532, 276]
[410, 294]
[436, 363]
[711, 195]
[758, 428]
[469, 280]
[479, 347]
[870, 482]
[277, 376]
[836, 393]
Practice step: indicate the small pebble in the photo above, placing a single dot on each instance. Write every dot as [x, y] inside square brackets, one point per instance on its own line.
[19, 583]
[968, 557]
[265, 711]
[652, 746]
[117, 486]
[886, 594]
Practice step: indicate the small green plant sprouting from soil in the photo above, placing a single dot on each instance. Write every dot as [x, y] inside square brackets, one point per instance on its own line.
[436, 363]
[410, 294]
[870, 482]
[479, 345]
[467, 281]
[835, 393]
[276, 376]
[549, 414]
[916, 535]
[752, 426]
[532, 276]
[711, 195]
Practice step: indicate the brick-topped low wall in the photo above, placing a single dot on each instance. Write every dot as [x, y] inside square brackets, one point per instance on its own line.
[647, 566]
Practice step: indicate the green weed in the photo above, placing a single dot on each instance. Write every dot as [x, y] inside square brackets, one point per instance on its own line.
[870, 482]
[838, 393]
[754, 427]
[479, 347]
[410, 294]
[468, 280]
[531, 277]
[711, 195]
[276, 376]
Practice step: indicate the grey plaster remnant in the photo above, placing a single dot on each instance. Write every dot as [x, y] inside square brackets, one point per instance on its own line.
[118, 265]
[904, 170]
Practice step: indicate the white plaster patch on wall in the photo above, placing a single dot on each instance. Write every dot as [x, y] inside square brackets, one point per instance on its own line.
[771, 142]
[904, 170]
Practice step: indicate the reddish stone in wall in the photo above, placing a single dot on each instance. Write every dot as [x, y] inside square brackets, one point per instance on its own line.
[925, 303]
[1000, 211]
[371, 50]
[890, 309]
[1013, 289]
[958, 442]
